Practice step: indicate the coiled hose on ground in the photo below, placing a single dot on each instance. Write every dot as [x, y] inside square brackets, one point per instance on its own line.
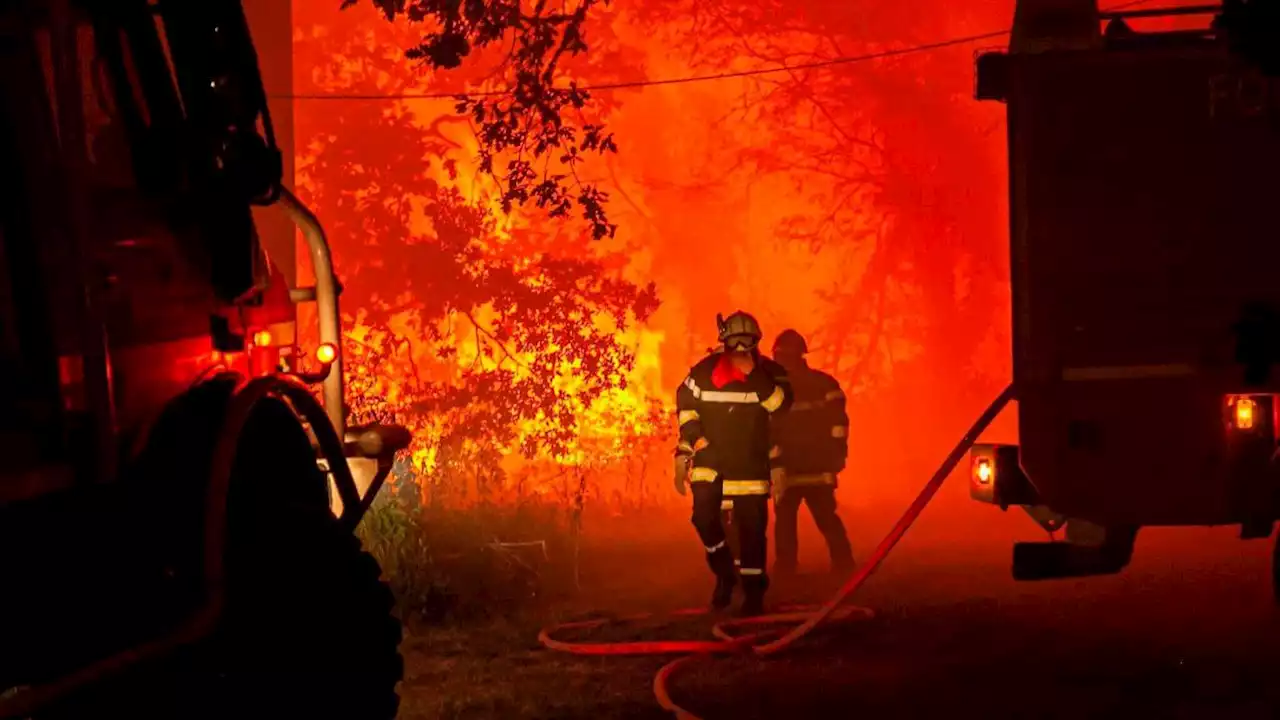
[807, 618]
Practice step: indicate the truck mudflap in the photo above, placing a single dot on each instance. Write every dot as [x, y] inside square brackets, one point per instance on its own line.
[1090, 550]
[996, 477]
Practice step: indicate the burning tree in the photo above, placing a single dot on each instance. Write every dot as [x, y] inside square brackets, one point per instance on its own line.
[892, 150]
[858, 176]
[535, 127]
[488, 334]
[837, 198]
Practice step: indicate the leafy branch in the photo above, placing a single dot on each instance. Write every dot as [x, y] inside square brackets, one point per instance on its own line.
[528, 122]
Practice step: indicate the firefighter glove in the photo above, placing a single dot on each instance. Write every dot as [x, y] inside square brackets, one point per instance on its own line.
[681, 473]
[778, 476]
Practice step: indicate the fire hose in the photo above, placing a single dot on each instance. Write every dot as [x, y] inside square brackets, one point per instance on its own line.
[804, 619]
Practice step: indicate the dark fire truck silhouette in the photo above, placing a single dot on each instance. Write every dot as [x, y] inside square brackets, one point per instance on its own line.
[1144, 261]
[176, 507]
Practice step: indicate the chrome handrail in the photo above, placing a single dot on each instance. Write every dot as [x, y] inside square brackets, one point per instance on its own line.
[326, 297]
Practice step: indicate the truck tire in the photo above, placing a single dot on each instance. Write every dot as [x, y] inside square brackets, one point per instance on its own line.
[307, 632]
[308, 629]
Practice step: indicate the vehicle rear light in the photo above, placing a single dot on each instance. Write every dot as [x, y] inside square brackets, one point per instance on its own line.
[326, 353]
[996, 476]
[1250, 413]
[982, 474]
[983, 471]
[1246, 409]
[262, 356]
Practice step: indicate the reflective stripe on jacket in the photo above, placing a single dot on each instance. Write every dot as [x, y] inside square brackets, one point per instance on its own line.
[728, 430]
[814, 433]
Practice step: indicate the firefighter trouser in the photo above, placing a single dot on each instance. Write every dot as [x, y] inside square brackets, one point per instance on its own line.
[821, 500]
[730, 530]
[750, 521]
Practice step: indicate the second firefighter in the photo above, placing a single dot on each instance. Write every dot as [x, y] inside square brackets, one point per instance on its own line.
[726, 450]
[814, 435]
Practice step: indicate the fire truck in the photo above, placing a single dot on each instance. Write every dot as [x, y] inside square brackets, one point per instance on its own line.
[177, 508]
[1144, 255]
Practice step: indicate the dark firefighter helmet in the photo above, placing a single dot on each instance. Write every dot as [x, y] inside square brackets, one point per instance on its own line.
[790, 341]
[739, 331]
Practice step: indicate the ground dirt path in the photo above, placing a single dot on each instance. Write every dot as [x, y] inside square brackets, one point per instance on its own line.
[1189, 632]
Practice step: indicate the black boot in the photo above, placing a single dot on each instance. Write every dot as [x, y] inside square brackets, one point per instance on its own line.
[722, 596]
[753, 588]
[721, 562]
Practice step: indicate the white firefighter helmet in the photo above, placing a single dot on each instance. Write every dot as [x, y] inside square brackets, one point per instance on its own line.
[739, 331]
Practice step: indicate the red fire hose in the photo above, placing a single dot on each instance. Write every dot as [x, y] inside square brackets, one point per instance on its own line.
[807, 618]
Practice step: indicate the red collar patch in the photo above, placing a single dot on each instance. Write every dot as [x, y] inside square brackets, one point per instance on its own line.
[726, 372]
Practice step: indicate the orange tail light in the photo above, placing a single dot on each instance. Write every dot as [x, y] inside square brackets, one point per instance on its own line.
[326, 353]
[1249, 412]
[983, 471]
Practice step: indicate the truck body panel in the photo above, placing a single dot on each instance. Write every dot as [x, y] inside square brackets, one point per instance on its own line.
[1144, 195]
[90, 222]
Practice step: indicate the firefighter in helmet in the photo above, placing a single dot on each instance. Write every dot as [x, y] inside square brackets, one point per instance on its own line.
[726, 520]
[725, 408]
[813, 436]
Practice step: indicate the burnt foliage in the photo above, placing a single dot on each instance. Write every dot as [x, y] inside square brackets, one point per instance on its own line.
[533, 133]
